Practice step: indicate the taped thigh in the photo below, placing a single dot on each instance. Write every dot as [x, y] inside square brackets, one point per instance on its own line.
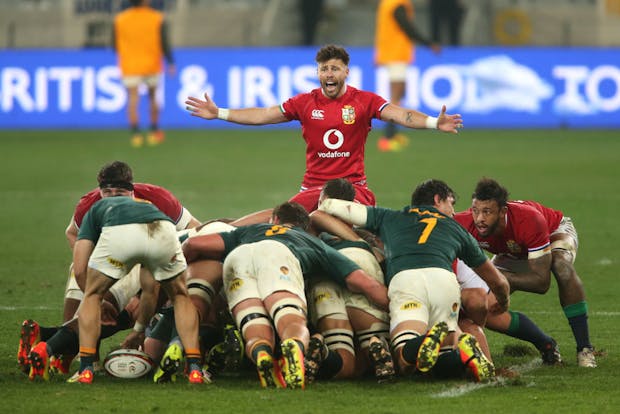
[379, 329]
[287, 306]
[202, 289]
[339, 339]
[252, 316]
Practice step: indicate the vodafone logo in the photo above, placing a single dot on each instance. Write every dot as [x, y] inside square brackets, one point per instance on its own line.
[333, 139]
[327, 139]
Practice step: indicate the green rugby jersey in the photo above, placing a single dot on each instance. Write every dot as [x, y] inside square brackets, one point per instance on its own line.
[420, 237]
[315, 257]
[115, 211]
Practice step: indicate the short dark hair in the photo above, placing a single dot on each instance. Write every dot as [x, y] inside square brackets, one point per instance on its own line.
[424, 194]
[489, 189]
[292, 213]
[339, 188]
[329, 52]
[115, 174]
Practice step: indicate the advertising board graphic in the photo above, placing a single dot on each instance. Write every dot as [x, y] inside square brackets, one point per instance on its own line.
[491, 87]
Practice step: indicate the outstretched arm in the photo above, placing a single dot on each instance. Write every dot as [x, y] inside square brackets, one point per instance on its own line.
[207, 109]
[411, 118]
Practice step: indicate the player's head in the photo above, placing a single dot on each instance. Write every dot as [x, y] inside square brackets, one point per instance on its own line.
[489, 206]
[339, 188]
[333, 69]
[434, 193]
[115, 179]
[329, 52]
[291, 213]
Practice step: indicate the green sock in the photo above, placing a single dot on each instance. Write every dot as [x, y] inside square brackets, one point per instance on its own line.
[522, 327]
[577, 315]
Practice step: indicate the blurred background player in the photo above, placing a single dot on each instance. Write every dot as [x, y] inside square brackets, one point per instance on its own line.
[311, 13]
[141, 43]
[447, 15]
[395, 39]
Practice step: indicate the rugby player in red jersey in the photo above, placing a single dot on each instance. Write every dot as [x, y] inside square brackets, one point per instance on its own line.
[335, 121]
[530, 242]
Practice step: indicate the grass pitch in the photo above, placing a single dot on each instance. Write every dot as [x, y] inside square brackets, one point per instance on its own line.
[231, 173]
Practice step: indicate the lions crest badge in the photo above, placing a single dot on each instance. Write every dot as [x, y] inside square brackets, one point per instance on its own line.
[348, 114]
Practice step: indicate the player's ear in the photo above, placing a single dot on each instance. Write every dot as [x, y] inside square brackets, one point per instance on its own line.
[436, 199]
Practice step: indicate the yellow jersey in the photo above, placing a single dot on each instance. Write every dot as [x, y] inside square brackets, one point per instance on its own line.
[392, 45]
[137, 33]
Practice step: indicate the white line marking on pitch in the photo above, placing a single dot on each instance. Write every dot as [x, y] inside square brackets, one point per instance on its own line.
[459, 390]
[27, 308]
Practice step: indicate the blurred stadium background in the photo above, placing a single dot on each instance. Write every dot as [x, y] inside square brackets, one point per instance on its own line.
[522, 63]
[195, 23]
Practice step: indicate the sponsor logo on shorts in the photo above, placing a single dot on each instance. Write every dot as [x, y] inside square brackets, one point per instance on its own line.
[235, 284]
[410, 306]
[116, 263]
[322, 297]
[284, 270]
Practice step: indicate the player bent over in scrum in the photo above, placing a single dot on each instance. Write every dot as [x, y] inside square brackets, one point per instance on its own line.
[117, 233]
[264, 270]
[421, 243]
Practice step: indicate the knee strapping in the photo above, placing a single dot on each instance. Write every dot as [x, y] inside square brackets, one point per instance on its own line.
[252, 316]
[288, 306]
[380, 329]
[202, 289]
[339, 339]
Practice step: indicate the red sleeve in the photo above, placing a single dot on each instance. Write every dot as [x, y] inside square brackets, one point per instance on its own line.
[528, 226]
[163, 199]
[292, 108]
[376, 104]
[84, 205]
